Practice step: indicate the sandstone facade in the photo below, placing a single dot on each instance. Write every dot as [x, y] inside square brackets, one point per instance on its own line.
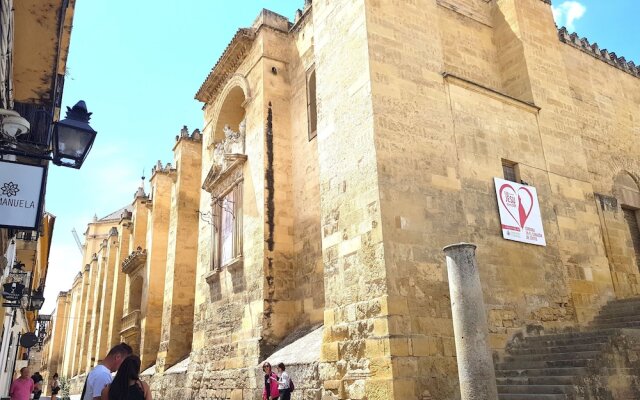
[339, 155]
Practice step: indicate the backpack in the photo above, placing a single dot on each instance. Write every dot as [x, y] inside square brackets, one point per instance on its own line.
[292, 387]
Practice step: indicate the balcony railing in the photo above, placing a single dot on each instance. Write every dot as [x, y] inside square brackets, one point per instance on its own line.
[130, 322]
[27, 236]
[134, 260]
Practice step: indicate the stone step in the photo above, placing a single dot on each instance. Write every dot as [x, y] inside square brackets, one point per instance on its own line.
[573, 335]
[621, 308]
[630, 325]
[624, 310]
[624, 301]
[541, 372]
[538, 380]
[618, 318]
[511, 396]
[553, 356]
[547, 341]
[536, 389]
[569, 348]
[552, 367]
[526, 364]
[620, 304]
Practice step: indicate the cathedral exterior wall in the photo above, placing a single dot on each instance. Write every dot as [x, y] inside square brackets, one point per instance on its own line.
[419, 107]
[442, 131]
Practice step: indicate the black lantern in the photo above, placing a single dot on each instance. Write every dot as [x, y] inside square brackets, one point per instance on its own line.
[37, 300]
[42, 335]
[73, 137]
[18, 268]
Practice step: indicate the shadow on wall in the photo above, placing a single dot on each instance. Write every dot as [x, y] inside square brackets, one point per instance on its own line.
[511, 59]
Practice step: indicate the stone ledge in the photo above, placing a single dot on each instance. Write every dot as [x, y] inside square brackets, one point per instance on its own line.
[476, 87]
[465, 11]
[134, 260]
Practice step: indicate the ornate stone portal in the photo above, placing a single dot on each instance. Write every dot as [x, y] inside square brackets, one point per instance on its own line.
[224, 182]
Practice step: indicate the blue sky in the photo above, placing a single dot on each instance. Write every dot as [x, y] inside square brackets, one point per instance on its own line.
[138, 64]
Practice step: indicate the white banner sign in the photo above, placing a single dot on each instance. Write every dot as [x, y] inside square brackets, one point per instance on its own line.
[20, 194]
[520, 217]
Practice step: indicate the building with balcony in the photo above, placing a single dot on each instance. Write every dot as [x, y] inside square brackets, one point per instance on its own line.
[34, 44]
[28, 262]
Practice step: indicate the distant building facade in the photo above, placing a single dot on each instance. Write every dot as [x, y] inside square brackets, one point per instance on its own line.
[339, 154]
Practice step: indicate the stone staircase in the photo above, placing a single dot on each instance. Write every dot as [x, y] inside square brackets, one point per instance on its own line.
[598, 362]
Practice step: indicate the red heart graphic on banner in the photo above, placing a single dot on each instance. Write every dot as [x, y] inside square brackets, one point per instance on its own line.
[523, 213]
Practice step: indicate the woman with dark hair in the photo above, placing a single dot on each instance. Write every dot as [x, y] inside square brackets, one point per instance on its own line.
[55, 386]
[270, 391]
[284, 383]
[127, 384]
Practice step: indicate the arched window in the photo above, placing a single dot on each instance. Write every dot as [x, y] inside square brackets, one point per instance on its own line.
[312, 111]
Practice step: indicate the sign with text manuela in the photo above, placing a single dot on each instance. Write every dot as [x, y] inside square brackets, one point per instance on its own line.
[520, 217]
[20, 195]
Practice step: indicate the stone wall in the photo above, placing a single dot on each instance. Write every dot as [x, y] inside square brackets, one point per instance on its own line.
[307, 225]
[439, 142]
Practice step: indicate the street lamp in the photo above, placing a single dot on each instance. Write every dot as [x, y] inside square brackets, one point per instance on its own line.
[37, 300]
[73, 137]
[17, 268]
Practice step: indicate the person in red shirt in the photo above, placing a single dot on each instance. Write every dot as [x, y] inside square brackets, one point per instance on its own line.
[22, 387]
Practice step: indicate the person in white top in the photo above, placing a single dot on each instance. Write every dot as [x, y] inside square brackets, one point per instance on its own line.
[100, 376]
[284, 383]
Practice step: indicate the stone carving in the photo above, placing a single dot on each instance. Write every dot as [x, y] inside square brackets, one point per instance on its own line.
[159, 168]
[234, 141]
[218, 155]
[195, 136]
[233, 144]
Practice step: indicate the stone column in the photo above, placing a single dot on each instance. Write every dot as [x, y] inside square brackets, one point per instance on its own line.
[94, 314]
[68, 366]
[156, 262]
[117, 283]
[182, 252]
[80, 325]
[110, 268]
[475, 364]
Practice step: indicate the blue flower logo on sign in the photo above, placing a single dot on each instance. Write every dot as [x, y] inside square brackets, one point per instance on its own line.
[10, 189]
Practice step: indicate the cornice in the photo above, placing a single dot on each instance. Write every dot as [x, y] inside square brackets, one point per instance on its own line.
[134, 260]
[300, 18]
[217, 181]
[228, 63]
